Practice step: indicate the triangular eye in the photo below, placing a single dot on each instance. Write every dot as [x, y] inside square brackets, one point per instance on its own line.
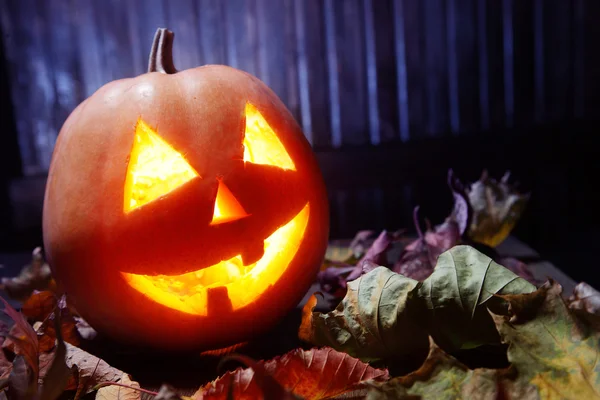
[155, 169]
[261, 144]
[227, 208]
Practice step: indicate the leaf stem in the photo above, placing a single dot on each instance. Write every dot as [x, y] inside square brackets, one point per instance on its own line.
[103, 384]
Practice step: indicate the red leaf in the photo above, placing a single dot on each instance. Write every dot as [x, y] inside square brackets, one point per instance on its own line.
[310, 374]
[24, 338]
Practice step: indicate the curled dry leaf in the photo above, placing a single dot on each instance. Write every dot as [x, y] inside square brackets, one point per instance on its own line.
[309, 374]
[34, 276]
[22, 339]
[497, 206]
[114, 392]
[371, 322]
[585, 298]
[387, 315]
[552, 355]
[91, 370]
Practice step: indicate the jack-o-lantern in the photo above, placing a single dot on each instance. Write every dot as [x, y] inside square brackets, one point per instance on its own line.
[184, 209]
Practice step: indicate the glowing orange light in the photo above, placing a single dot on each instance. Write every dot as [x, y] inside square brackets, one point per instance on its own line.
[154, 169]
[261, 144]
[189, 293]
[227, 208]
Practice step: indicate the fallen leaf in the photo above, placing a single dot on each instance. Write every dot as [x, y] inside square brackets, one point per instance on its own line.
[552, 354]
[114, 392]
[385, 315]
[58, 373]
[309, 374]
[91, 370]
[371, 322]
[166, 392]
[84, 329]
[454, 298]
[22, 339]
[34, 276]
[22, 381]
[462, 212]
[586, 302]
[497, 206]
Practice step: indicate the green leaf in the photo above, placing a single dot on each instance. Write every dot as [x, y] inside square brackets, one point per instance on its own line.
[371, 322]
[388, 316]
[553, 355]
[455, 297]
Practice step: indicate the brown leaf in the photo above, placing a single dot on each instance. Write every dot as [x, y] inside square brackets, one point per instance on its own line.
[585, 301]
[34, 276]
[57, 376]
[23, 339]
[497, 206]
[22, 382]
[114, 392]
[39, 305]
[310, 374]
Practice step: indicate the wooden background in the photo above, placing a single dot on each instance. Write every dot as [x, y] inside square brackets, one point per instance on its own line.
[389, 92]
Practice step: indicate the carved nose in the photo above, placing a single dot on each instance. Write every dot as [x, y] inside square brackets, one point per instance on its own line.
[227, 208]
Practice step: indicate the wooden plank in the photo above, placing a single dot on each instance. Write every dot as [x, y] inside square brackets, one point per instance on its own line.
[14, 38]
[387, 73]
[182, 20]
[467, 86]
[290, 63]
[60, 38]
[435, 67]
[332, 70]
[579, 80]
[496, 61]
[41, 93]
[508, 47]
[523, 61]
[304, 88]
[151, 15]
[138, 53]
[538, 63]
[113, 35]
[558, 59]
[349, 31]
[212, 31]
[401, 70]
[591, 59]
[483, 63]
[242, 43]
[414, 35]
[452, 63]
[371, 71]
[318, 66]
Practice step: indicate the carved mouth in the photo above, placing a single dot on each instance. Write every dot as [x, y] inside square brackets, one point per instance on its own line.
[195, 292]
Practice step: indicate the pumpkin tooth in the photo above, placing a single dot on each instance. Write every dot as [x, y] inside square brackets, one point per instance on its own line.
[252, 253]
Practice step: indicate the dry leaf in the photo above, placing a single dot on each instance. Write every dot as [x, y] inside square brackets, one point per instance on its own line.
[552, 355]
[91, 370]
[114, 392]
[497, 206]
[34, 276]
[22, 339]
[310, 374]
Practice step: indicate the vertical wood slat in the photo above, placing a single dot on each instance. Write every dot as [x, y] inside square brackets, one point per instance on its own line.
[452, 48]
[242, 43]
[318, 72]
[371, 71]
[482, 46]
[60, 38]
[303, 82]
[386, 71]
[579, 58]
[436, 81]
[523, 63]
[401, 70]
[539, 71]
[414, 41]
[496, 60]
[508, 47]
[332, 70]
[349, 30]
[14, 43]
[212, 31]
[182, 18]
[290, 61]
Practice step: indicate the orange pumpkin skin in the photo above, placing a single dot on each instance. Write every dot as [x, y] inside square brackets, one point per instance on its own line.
[91, 242]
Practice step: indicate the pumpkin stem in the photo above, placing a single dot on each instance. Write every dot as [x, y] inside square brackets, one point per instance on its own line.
[161, 55]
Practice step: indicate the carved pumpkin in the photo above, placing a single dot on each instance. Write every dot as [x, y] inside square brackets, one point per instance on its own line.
[184, 209]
